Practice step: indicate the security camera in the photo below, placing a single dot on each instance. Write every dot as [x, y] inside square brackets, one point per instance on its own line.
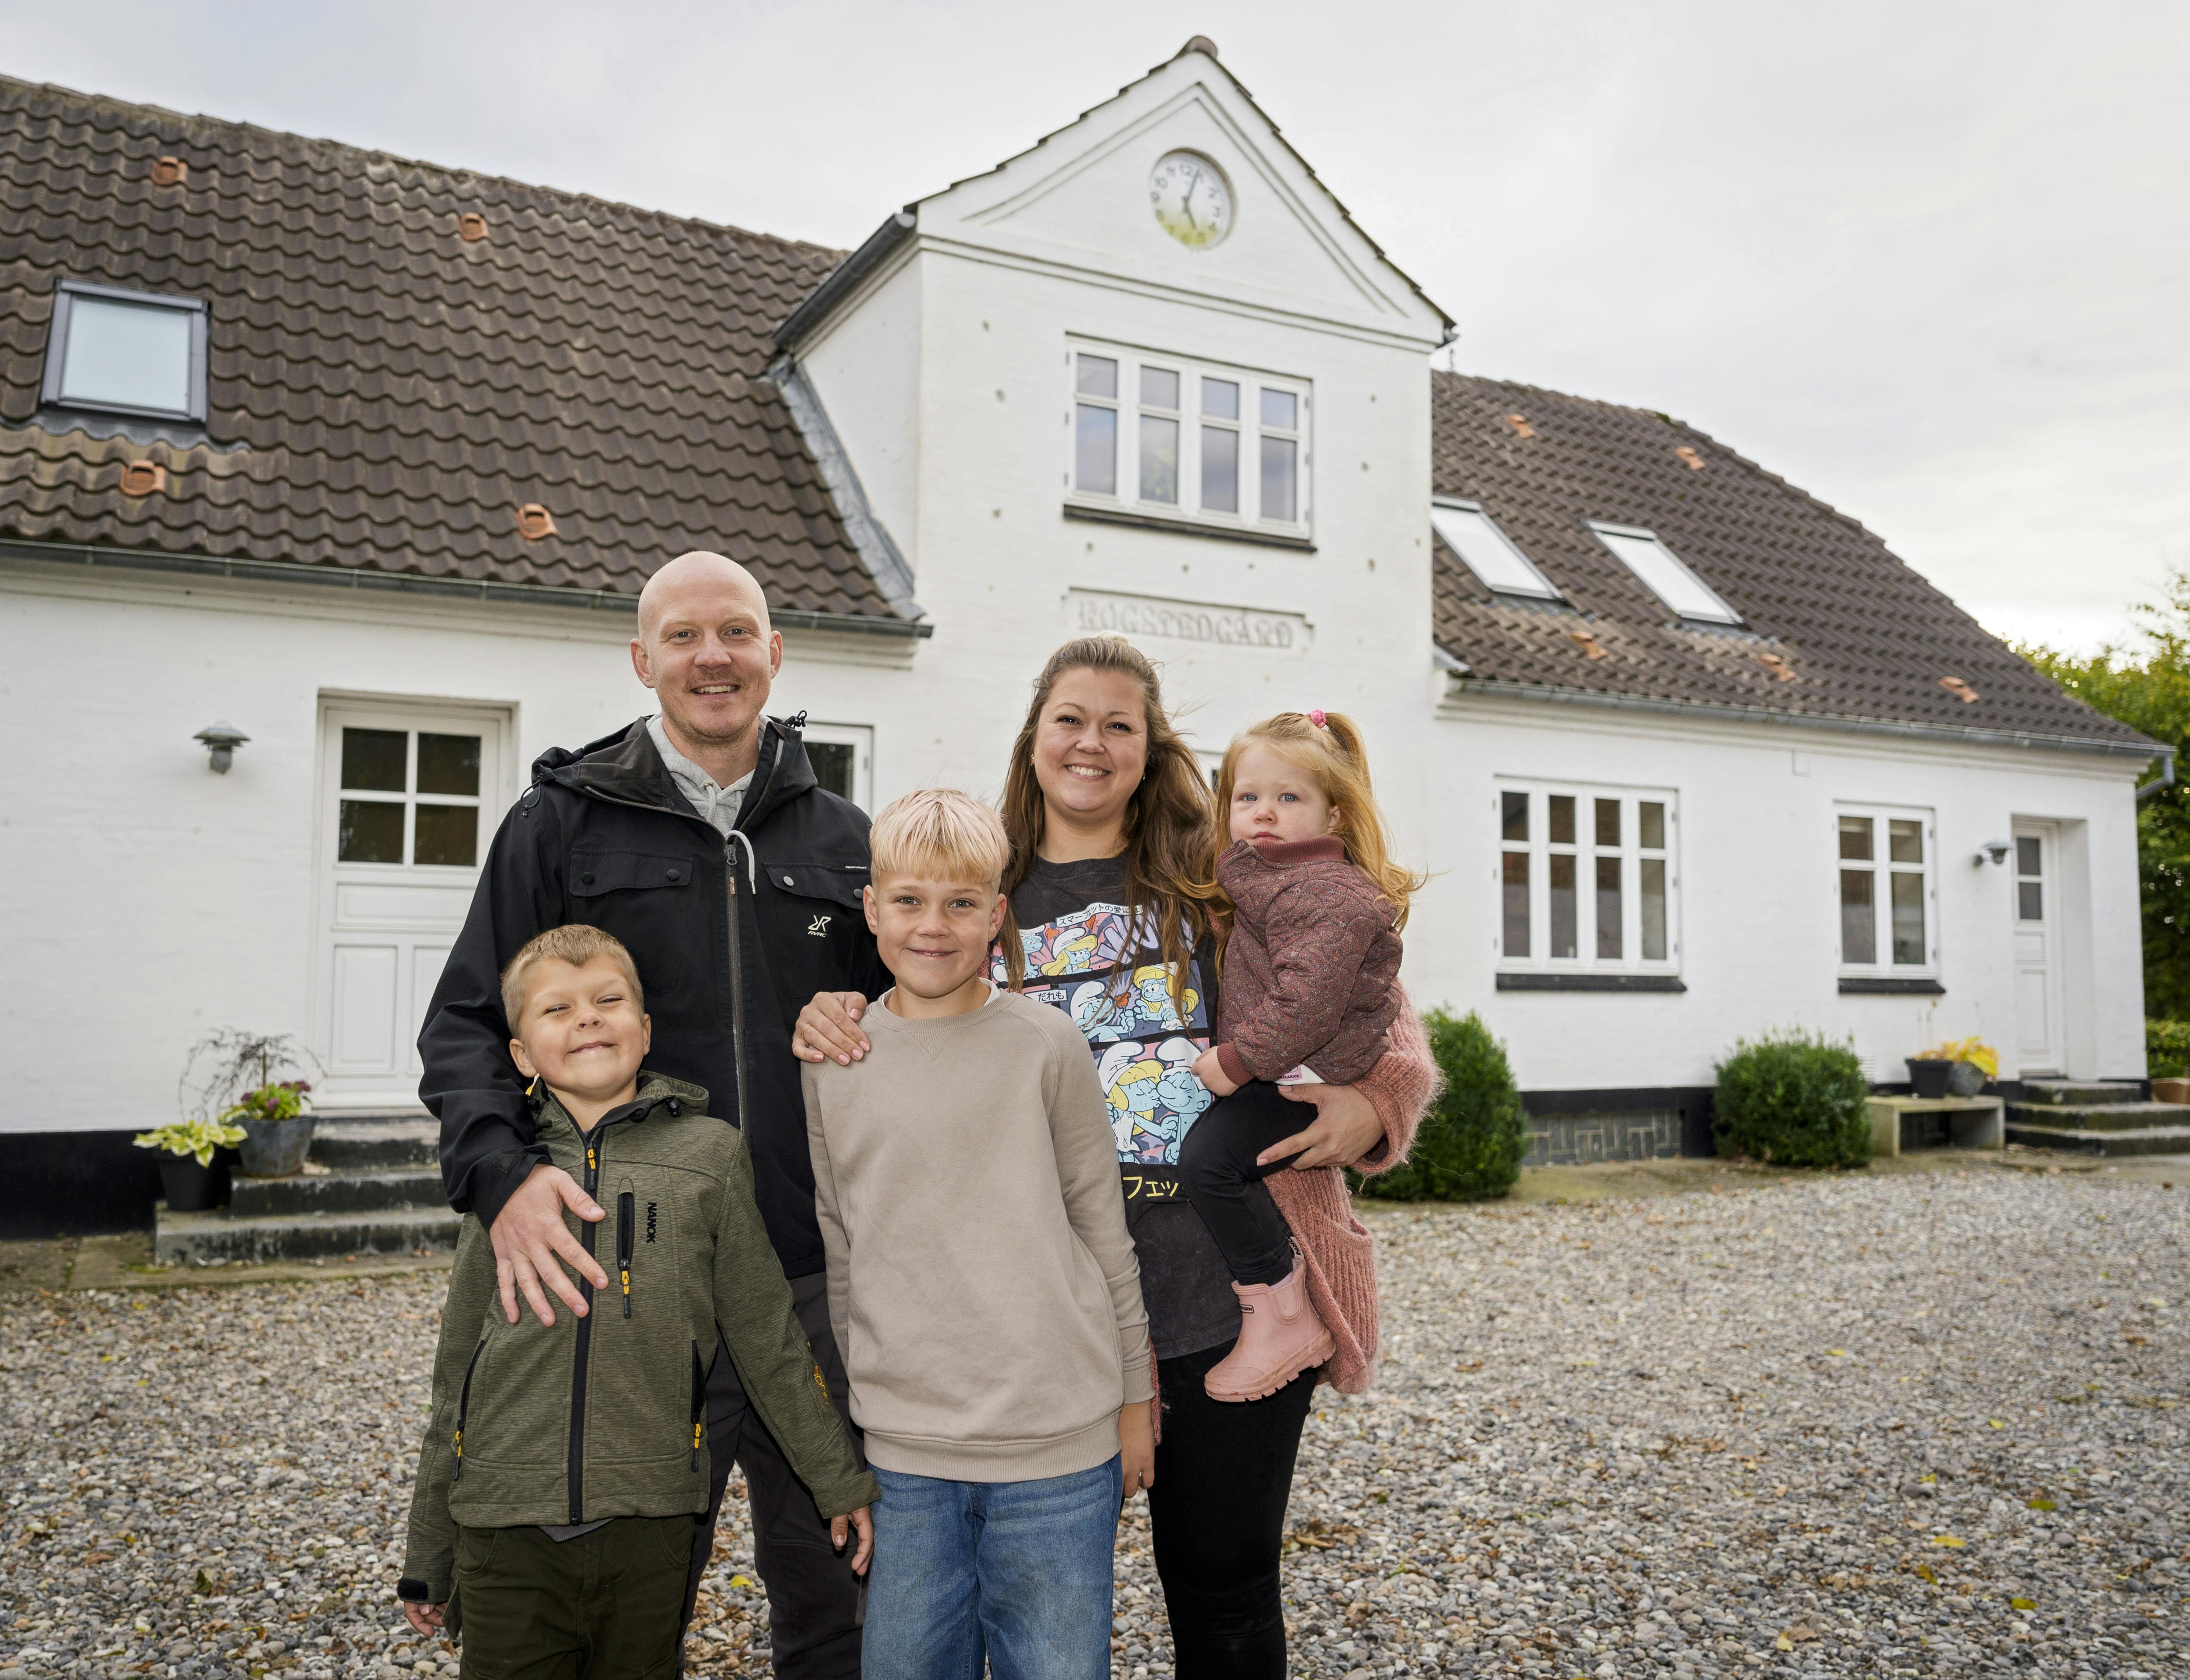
[1993, 851]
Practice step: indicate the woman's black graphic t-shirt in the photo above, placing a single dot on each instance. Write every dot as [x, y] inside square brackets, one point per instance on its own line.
[1144, 1033]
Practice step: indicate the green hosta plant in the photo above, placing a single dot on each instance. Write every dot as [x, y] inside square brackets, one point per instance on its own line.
[199, 1138]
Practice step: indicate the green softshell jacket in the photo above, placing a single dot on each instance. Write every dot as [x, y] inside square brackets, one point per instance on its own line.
[605, 1416]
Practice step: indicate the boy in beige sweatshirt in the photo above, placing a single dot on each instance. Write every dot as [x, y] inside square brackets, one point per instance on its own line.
[982, 1283]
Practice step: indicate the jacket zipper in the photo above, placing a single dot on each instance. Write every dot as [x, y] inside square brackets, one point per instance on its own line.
[585, 1335]
[699, 1404]
[464, 1407]
[624, 1209]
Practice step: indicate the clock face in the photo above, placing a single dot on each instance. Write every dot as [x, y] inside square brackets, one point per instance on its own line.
[1191, 199]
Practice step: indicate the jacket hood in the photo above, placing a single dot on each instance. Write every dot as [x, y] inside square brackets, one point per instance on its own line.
[625, 767]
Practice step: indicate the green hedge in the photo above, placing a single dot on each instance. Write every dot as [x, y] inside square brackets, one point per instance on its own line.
[1793, 1099]
[1472, 1139]
[2167, 1049]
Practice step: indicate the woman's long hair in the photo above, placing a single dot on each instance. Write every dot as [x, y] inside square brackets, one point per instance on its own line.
[1170, 824]
[1328, 745]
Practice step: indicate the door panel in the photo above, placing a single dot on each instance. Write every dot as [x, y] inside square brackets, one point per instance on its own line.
[408, 798]
[2040, 1040]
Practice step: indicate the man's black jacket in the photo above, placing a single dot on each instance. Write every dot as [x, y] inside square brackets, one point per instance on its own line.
[602, 836]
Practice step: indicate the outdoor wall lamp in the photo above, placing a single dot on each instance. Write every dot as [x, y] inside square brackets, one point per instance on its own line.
[221, 740]
[1993, 851]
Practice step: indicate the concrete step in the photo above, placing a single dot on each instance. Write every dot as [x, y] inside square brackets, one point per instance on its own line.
[197, 1239]
[2079, 1093]
[2096, 1116]
[376, 1140]
[350, 1190]
[2142, 1140]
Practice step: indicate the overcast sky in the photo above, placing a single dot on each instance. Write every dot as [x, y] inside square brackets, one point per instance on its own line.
[1930, 262]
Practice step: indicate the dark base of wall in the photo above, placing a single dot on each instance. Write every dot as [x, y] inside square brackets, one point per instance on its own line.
[1573, 1128]
[76, 1185]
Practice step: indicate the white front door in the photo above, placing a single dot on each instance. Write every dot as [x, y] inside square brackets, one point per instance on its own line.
[2040, 1045]
[409, 798]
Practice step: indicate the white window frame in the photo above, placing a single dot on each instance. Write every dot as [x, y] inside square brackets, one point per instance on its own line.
[860, 738]
[1882, 867]
[1544, 590]
[1248, 427]
[1584, 848]
[1721, 612]
[66, 293]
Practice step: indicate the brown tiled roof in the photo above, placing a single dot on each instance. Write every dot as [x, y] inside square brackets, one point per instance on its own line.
[1865, 637]
[385, 394]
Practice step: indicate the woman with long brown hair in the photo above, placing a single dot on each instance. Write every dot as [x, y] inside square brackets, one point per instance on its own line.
[1114, 834]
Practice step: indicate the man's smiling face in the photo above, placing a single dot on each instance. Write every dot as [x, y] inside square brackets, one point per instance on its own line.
[705, 648]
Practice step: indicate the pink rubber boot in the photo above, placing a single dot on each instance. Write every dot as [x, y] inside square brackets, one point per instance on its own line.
[1280, 1337]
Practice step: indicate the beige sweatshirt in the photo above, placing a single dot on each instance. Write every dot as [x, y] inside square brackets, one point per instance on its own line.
[982, 1283]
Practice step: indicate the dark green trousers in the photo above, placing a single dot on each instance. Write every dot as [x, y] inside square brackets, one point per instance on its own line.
[601, 1606]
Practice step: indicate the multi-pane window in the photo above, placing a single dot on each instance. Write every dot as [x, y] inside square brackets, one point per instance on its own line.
[2029, 878]
[1171, 437]
[1886, 896]
[1586, 879]
[125, 352]
[408, 796]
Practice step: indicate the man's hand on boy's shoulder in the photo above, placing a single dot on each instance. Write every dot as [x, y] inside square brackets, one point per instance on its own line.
[529, 1237]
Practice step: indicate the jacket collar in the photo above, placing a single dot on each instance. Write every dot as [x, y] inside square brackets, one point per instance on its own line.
[1285, 854]
[674, 1097]
[625, 767]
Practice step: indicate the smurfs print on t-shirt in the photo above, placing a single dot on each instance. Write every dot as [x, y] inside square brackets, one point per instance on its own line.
[1146, 1032]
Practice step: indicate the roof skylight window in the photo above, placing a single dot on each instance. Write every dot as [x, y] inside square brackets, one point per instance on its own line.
[125, 352]
[1664, 574]
[1488, 552]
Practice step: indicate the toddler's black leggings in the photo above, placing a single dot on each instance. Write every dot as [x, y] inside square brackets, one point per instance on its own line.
[1218, 1163]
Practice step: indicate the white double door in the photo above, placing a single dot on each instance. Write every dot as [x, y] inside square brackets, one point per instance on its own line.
[2040, 1039]
[409, 798]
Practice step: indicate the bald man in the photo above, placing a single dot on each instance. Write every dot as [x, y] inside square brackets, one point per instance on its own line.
[670, 834]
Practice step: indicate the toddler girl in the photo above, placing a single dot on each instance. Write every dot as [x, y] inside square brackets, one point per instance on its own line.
[1307, 994]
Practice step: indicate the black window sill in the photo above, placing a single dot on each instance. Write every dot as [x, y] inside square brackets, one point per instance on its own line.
[1267, 539]
[1591, 983]
[1890, 988]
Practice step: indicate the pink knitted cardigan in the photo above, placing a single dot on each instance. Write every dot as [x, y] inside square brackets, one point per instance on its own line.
[1339, 1254]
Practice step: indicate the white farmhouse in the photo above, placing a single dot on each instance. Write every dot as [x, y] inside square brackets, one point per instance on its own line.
[365, 461]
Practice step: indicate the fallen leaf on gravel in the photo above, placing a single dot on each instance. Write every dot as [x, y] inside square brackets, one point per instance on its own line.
[2042, 1505]
[1924, 1571]
[1948, 1539]
[2022, 1603]
[1995, 1423]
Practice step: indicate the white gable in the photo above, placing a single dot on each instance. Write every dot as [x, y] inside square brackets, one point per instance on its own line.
[1080, 199]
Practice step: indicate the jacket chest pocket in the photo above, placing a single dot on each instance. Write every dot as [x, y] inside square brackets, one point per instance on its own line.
[646, 900]
[645, 1248]
[817, 927]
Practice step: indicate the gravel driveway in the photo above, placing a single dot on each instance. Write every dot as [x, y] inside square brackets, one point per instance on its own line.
[1862, 1425]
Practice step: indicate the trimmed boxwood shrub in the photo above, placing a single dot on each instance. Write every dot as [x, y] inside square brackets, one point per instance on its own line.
[1472, 1140]
[2166, 1049]
[1793, 1099]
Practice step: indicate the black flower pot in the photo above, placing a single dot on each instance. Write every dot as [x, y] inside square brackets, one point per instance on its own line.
[1928, 1076]
[190, 1188]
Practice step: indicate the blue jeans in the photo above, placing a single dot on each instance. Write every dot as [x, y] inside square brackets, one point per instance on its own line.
[1018, 1573]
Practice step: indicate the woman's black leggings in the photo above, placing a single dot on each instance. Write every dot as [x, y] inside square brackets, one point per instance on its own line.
[1224, 1475]
[1218, 1163]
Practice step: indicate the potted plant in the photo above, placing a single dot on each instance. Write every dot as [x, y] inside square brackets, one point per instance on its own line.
[191, 1179]
[1975, 1063]
[1927, 1074]
[236, 1077]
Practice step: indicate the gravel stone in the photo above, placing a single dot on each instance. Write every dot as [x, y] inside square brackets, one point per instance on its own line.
[1850, 1424]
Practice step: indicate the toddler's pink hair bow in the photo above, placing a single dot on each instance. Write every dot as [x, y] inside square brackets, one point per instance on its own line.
[1316, 717]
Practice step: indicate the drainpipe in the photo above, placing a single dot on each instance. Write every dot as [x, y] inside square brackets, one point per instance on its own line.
[2164, 779]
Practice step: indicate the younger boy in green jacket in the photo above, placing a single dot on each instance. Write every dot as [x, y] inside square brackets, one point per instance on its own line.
[552, 1520]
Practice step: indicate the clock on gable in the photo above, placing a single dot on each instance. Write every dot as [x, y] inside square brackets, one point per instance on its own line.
[1191, 199]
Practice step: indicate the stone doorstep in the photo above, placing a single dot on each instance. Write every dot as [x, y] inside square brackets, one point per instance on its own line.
[2078, 1094]
[344, 1190]
[363, 1141]
[2099, 1117]
[191, 1237]
[2139, 1141]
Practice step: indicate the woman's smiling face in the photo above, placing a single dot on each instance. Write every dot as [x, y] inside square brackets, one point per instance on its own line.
[1091, 747]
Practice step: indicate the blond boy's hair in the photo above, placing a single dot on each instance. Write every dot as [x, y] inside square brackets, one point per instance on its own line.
[576, 944]
[940, 833]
